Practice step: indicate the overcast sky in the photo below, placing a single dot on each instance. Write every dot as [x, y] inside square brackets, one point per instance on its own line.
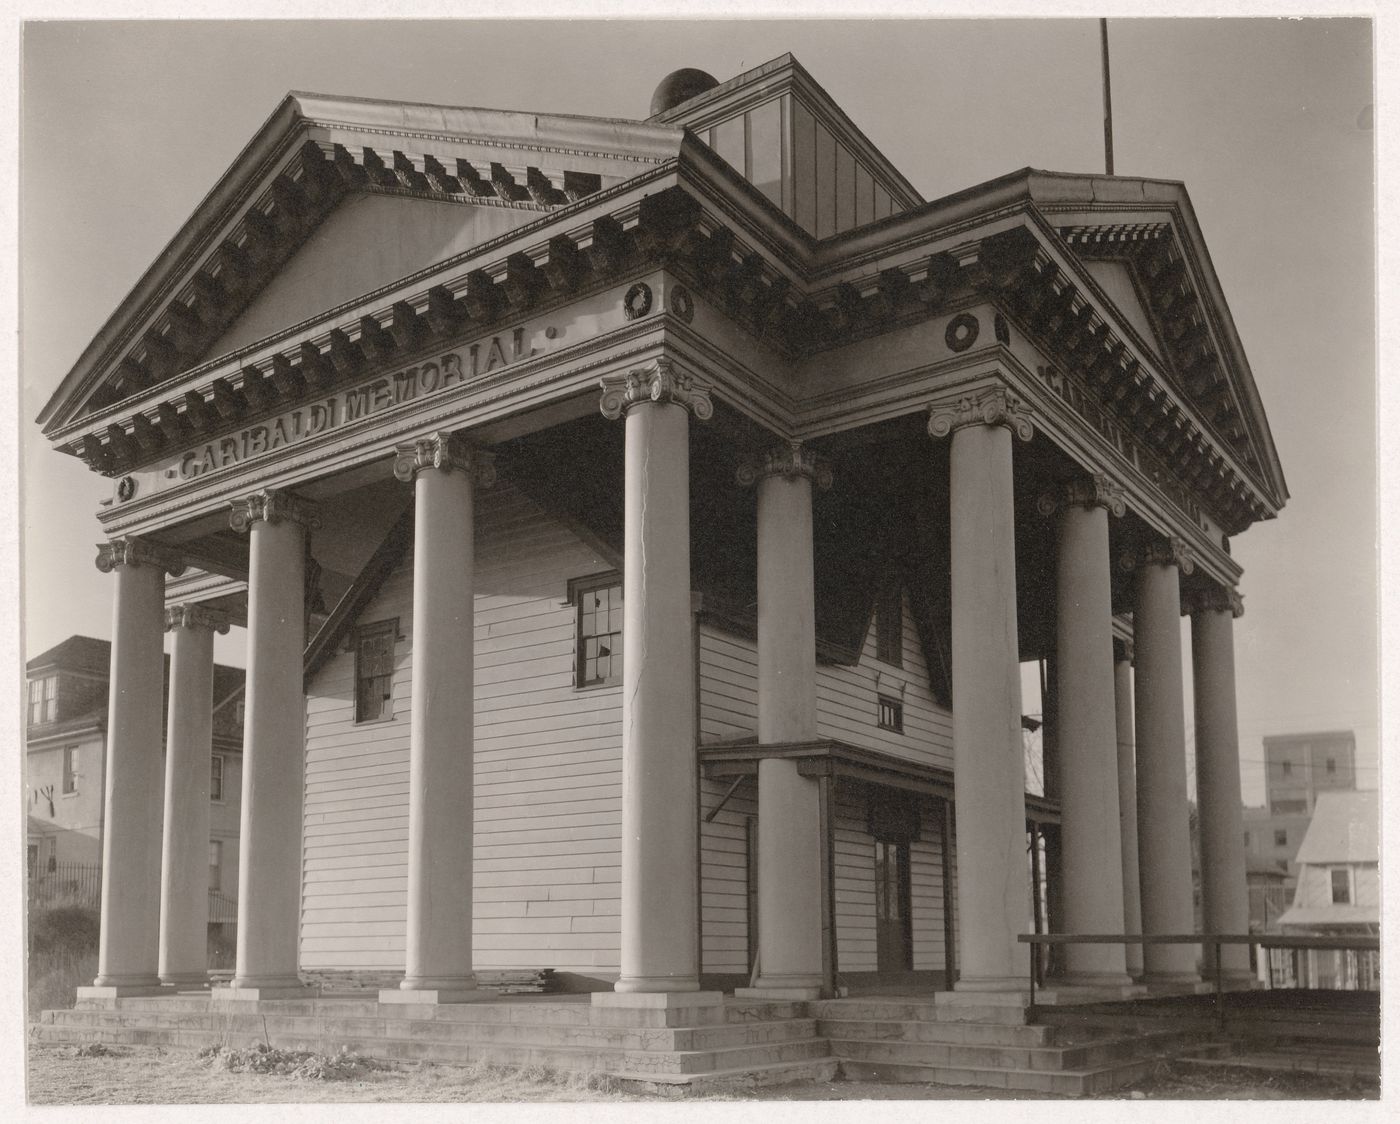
[1268, 122]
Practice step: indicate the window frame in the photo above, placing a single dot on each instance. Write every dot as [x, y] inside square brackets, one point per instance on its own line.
[895, 707]
[578, 589]
[1280, 837]
[217, 766]
[1345, 872]
[216, 865]
[43, 700]
[70, 770]
[389, 627]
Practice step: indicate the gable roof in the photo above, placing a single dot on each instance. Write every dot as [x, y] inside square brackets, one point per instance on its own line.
[77, 653]
[1344, 829]
[312, 153]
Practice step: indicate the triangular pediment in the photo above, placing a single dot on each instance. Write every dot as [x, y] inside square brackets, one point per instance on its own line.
[1152, 268]
[333, 198]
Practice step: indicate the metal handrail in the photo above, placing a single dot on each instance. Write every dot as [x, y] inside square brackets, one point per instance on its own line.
[1212, 940]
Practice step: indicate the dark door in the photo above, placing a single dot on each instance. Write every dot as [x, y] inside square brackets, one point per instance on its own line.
[893, 936]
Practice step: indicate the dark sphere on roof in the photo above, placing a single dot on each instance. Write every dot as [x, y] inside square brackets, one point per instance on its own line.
[680, 85]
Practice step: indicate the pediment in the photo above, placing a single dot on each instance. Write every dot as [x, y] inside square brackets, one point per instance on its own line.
[333, 198]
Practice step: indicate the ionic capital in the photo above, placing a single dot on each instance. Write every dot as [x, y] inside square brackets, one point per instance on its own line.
[1170, 551]
[1094, 490]
[788, 459]
[993, 406]
[661, 383]
[272, 505]
[1213, 599]
[448, 452]
[138, 552]
[196, 616]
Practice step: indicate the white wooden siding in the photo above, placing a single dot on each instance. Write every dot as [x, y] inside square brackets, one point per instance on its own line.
[547, 766]
[854, 863]
[847, 703]
[724, 905]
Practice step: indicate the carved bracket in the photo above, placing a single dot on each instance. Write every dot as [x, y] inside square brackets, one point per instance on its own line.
[1094, 490]
[787, 459]
[196, 616]
[445, 451]
[272, 505]
[663, 383]
[138, 552]
[1215, 599]
[993, 406]
[1170, 551]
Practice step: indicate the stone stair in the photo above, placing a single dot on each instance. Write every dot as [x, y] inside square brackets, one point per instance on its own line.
[739, 1043]
[990, 1045]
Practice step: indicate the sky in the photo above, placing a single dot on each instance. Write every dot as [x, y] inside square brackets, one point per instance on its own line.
[125, 126]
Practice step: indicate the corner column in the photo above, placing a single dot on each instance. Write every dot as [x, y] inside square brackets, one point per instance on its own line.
[790, 841]
[128, 940]
[1224, 887]
[438, 965]
[1087, 727]
[994, 903]
[659, 773]
[1127, 799]
[189, 745]
[274, 740]
[1164, 832]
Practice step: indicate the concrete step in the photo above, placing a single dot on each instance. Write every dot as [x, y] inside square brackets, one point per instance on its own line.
[449, 1028]
[1086, 1056]
[597, 1057]
[744, 1077]
[918, 1030]
[950, 1008]
[1070, 1083]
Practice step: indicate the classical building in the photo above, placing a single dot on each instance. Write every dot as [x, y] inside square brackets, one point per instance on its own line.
[682, 496]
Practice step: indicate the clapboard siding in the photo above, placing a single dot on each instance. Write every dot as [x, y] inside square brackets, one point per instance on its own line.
[724, 907]
[548, 781]
[854, 869]
[728, 686]
[847, 703]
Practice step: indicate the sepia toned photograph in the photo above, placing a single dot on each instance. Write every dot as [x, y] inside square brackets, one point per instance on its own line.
[699, 560]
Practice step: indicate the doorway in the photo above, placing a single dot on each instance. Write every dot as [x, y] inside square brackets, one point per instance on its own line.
[894, 951]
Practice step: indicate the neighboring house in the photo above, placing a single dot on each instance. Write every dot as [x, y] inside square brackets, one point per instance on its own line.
[1297, 768]
[545, 409]
[65, 744]
[1338, 891]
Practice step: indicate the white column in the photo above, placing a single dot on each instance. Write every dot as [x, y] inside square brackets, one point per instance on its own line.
[128, 944]
[274, 740]
[189, 746]
[438, 962]
[1164, 839]
[1224, 888]
[659, 771]
[1127, 798]
[789, 805]
[994, 903]
[1087, 733]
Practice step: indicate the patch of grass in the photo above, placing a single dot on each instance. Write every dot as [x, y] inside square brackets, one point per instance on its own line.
[302, 1064]
[62, 955]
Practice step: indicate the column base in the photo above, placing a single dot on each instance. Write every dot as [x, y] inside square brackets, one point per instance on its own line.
[1175, 983]
[992, 984]
[435, 995]
[185, 979]
[1058, 994]
[245, 992]
[652, 985]
[1090, 979]
[778, 992]
[120, 991]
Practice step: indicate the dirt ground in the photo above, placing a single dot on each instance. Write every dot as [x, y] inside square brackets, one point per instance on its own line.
[117, 1075]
